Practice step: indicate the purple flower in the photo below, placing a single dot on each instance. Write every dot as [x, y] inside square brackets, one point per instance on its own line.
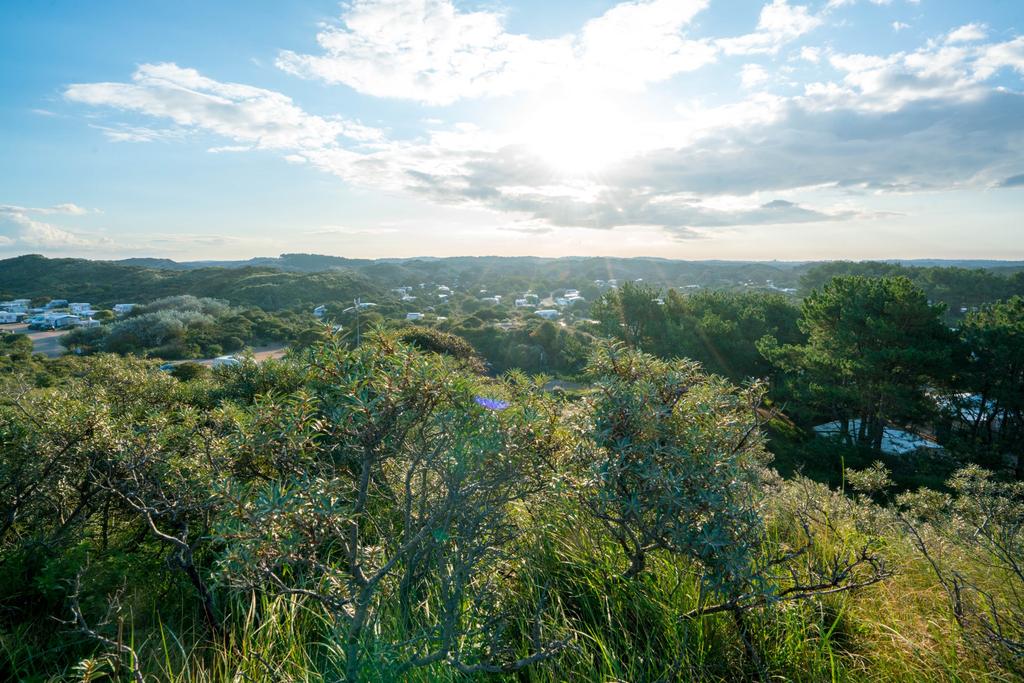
[491, 403]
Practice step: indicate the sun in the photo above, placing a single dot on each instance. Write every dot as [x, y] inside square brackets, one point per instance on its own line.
[577, 135]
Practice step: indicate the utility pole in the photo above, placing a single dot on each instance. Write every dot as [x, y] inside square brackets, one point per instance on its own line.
[357, 302]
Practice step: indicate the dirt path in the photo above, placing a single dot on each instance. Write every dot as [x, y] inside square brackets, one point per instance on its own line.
[262, 353]
[259, 354]
[46, 343]
[564, 384]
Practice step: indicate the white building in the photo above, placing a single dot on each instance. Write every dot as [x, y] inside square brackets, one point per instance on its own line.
[894, 441]
[414, 316]
[123, 309]
[520, 303]
[8, 317]
[548, 313]
[81, 309]
[65, 321]
[491, 300]
[49, 321]
[13, 307]
[320, 311]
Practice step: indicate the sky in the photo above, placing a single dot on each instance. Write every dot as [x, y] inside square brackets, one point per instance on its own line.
[690, 129]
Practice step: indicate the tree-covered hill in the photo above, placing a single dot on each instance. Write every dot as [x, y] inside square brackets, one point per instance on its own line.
[955, 286]
[308, 279]
[104, 283]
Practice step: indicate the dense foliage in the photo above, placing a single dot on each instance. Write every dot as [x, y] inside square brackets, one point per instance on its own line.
[961, 290]
[874, 346]
[719, 329]
[188, 327]
[106, 284]
[411, 505]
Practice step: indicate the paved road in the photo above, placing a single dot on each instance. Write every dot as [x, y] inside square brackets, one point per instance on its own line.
[46, 343]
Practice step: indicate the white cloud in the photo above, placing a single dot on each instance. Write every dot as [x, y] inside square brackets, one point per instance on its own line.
[934, 72]
[779, 23]
[640, 42]
[992, 58]
[899, 26]
[264, 118]
[967, 34]
[67, 208]
[125, 133]
[832, 4]
[897, 123]
[20, 228]
[228, 149]
[430, 51]
[810, 54]
[753, 75]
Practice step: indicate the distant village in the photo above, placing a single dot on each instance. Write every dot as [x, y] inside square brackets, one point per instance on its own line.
[65, 315]
[57, 314]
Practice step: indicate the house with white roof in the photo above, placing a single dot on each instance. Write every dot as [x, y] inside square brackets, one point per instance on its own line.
[62, 322]
[894, 441]
[123, 309]
[414, 316]
[81, 308]
[548, 313]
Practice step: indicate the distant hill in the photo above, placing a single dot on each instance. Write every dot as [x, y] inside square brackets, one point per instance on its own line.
[105, 283]
[309, 263]
[961, 288]
[531, 271]
[291, 280]
[960, 263]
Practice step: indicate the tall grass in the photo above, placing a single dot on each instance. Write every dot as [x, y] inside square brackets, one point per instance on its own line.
[618, 630]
